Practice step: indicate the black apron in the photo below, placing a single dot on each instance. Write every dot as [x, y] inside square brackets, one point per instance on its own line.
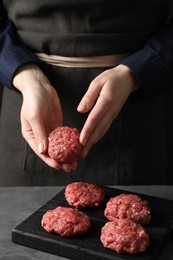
[133, 151]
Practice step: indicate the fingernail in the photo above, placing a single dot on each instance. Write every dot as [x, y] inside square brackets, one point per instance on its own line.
[81, 107]
[40, 147]
[84, 141]
[67, 170]
[74, 166]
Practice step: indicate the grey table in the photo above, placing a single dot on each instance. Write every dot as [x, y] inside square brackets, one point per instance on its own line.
[16, 204]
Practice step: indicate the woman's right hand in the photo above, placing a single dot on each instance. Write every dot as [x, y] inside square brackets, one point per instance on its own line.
[41, 112]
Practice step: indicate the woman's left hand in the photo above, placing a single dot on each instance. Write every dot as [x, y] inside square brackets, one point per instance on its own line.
[104, 99]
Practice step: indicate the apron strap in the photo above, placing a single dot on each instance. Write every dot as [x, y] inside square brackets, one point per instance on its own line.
[82, 62]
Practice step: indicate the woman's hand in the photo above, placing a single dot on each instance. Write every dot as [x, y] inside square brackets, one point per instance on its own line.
[41, 111]
[105, 97]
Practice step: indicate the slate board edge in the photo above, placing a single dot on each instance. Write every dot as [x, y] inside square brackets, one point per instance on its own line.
[19, 237]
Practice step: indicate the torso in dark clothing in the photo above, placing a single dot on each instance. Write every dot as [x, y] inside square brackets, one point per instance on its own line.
[133, 150]
[86, 27]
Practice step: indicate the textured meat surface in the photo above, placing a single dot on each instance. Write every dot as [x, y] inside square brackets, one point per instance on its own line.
[128, 206]
[64, 145]
[65, 221]
[83, 194]
[124, 236]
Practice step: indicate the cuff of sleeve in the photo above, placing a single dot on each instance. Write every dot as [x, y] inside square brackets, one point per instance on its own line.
[151, 71]
[12, 60]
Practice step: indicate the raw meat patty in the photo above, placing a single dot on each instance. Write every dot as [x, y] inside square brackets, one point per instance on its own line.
[64, 145]
[128, 206]
[124, 236]
[65, 221]
[83, 194]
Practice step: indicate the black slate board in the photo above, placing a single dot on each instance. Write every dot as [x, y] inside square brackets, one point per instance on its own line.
[88, 247]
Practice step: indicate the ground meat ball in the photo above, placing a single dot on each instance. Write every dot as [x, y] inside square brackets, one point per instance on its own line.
[64, 145]
[124, 236]
[83, 194]
[65, 221]
[128, 206]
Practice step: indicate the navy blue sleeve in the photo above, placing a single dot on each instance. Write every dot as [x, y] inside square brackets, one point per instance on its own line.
[13, 54]
[153, 64]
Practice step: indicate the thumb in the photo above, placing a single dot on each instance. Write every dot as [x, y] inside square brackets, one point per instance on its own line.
[40, 135]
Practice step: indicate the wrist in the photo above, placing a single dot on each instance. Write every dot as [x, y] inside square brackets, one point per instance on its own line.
[133, 81]
[24, 75]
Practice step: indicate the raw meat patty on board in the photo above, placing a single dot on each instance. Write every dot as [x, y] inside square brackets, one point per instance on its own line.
[124, 236]
[128, 206]
[65, 221]
[84, 194]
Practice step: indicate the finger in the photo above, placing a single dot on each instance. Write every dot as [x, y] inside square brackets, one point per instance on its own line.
[68, 167]
[40, 135]
[49, 161]
[102, 127]
[98, 133]
[96, 115]
[30, 138]
[90, 97]
[74, 165]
